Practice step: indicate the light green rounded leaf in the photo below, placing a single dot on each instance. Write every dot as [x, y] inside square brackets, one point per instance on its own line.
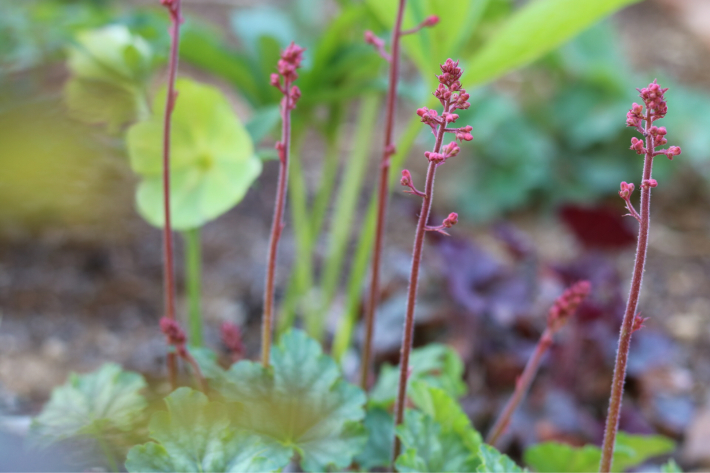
[212, 158]
[198, 435]
[90, 405]
[301, 402]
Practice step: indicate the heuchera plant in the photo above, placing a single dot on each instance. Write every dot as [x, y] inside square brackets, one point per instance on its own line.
[452, 97]
[641, 118]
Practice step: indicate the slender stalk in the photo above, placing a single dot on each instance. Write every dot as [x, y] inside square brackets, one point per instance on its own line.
[287, 65]
[521, 387]
[382, 194]
[276, 229]
[622, 354]
[408, 335]
[187, 356]
[168, 262]
[193, 273]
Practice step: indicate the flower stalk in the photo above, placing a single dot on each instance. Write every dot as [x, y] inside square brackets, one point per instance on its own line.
[290, 61]
[452, 97]
[655, 109]
[383, 185]
[561, 311]
[175, 336]
[173, 7]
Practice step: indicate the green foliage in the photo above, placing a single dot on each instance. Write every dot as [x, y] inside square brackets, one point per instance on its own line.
[301, 402]
[438, 435]
[631, 450]
[671, 467]
[212, 158]
[94, 405]
[110, 69]
[198, 435]
[377, 452]
[437, 365]
[534, 30]
[492, 461]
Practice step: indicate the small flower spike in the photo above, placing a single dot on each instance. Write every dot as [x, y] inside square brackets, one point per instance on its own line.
[232, 339]
[566, 305]
[639, 323]
[448, 222]
[406, 181]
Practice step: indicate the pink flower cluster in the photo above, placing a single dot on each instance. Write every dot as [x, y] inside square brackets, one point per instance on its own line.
[232, 339]
[174, 334]
[656, 107]
[566, 305]
[448, 151]
[290, 61]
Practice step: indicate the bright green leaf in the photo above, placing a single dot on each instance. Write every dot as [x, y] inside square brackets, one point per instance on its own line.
[436, 364]
[671, 467]
[212, 158]
[630, 450]
[301, 402]
[90, 405]
[535, 29]
[198, 435]
[438, 436]
[492, 461]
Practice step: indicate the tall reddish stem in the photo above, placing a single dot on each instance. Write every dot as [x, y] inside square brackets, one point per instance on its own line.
[382, 194]
[622, 354]
[408, 334]
[521, 387]
[168, 263]
[276, 227]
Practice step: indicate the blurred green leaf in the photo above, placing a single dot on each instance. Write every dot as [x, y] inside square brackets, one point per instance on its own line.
[671, 467]
[493, 461]
[631, 450]
[301, 402]
[535, 29]
[212, 158]
[377, 452]
[263, 122]
[198, 435]
[90, 405]
[435, 364]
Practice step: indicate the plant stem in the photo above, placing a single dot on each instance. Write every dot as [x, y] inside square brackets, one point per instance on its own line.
[521, 387]
[622, 354]
[193, 273]
[382, 194]
[276, 227]
[408, 335]
[187, 356]
[168, 263]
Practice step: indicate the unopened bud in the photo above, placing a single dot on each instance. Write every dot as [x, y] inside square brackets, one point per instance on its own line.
[451, 220]
[637, 145]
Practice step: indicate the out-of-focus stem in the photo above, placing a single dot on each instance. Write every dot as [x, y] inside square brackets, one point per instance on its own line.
[276, 226]
[408, 335]
[521, 387]
[193, 270]
[622, 353]
[168, 262]
[382, 194]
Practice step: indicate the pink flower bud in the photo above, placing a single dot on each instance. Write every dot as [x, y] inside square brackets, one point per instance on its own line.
[276, 80]
[649, 183]
[172, 331]
[626, 190]
[451, 220]
[406, 178]
[566, 305]
[673, 151]
[638, 323]
[422, 111]
[637, 145]
[431, 21]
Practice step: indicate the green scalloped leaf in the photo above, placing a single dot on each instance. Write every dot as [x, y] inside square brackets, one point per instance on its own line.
[212, 158]
[301, 402]
[377, 452]
[492, 461]
[630, 450]
[438, 365]
[438, 436]
[91, 405]
[198, 435]
[110, 69]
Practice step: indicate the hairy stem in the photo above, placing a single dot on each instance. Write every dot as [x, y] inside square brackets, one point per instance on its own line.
[276, 227]
[622, 353]
[521, 387]
[408, 335]
[382, 194]
[193, 270]
[168, 263]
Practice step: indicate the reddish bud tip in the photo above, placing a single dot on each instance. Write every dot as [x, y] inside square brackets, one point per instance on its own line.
[406, 178]
[626, 190]
[638, 322]
[172, 331]
[637, 145]
[566, 305]
[649, 183]
[451, 220]
[232, 338]
[673, 151]
[431, 21]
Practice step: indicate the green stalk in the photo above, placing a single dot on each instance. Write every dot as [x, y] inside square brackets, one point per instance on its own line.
[347, 199]
[193, 275]
[343, 336]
